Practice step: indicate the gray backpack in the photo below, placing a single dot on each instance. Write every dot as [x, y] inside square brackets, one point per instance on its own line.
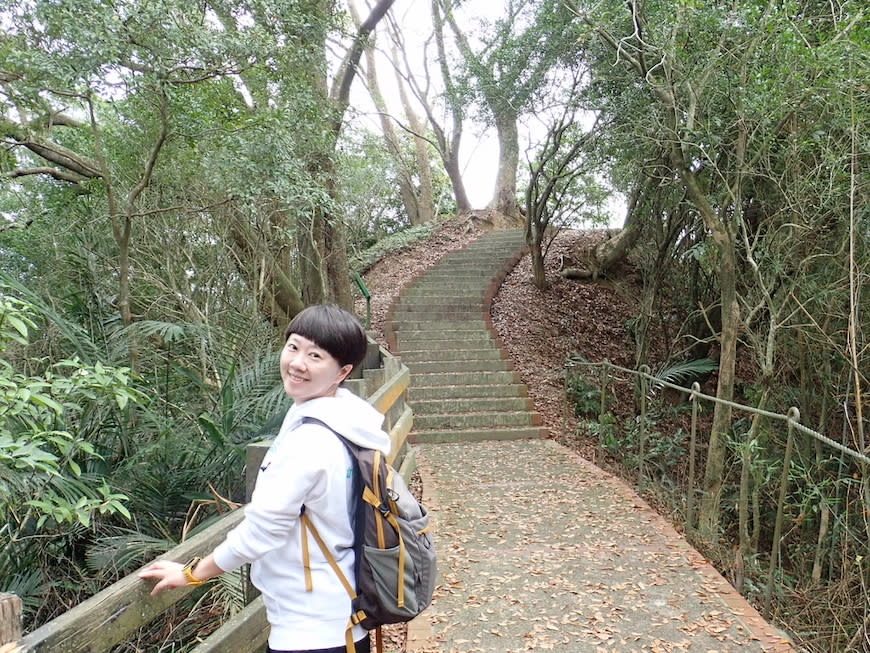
[395, 564]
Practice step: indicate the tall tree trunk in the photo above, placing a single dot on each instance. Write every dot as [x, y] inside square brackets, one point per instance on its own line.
[714, 473]
[394, 145]
[265, 270]
[614, 250]
[322, 241]
[535, 241]
[310, 239]
[337, 266]
[504, 199]
[725, 240]
[425, 202]
[448, 148]
[454, 173]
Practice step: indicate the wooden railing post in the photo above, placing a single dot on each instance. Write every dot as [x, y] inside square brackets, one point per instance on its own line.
[10, 620]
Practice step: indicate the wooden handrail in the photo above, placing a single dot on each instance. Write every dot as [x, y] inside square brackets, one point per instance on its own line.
[112, 615]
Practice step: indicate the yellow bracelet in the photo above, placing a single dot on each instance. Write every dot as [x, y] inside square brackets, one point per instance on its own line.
[187, 571]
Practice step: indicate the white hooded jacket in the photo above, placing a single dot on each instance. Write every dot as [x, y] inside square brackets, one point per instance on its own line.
[306, 465]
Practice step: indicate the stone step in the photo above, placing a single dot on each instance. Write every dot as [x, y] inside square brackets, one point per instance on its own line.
[463, 378]
[428, 367]
[471, 404]
[435, 324]
[442, 305]
[451, 282]
[424, 289]
[419, 339]
[445, 421]
[464, 274]
[477, 435]
[439, 311]
[453, 392]
[436, 343]
[441, 300]
[461, 386]
[447, 353]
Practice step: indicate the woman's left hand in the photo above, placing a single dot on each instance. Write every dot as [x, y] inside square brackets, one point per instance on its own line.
[168, 574]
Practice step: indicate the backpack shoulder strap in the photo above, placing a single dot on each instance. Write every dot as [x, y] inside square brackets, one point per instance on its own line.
[358, 515]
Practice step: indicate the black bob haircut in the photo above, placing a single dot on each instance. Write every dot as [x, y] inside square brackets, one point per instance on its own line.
[333, 329]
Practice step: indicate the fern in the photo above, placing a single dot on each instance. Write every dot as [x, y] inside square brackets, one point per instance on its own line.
[685, 371]
[167, 331]
[125, 551]
[362, 261]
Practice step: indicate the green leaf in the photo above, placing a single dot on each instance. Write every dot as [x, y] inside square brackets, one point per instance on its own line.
[19, 325]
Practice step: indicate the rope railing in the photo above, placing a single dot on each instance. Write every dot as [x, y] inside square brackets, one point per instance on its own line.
[791, 419]
[644, 372]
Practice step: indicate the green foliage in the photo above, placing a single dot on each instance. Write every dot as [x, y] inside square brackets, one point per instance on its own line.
[584, 395]
[47, 492]
[394, 242]
[684, 372]
[605, 431]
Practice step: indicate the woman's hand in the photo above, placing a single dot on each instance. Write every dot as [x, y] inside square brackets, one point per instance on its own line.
[168, 574]
[170, 577]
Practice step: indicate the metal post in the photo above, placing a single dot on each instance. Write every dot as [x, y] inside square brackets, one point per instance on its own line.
[644, 372]
[690, 492]
[793, 417]
[361, 284]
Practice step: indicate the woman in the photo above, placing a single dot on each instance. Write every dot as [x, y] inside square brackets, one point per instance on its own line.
[305, 466]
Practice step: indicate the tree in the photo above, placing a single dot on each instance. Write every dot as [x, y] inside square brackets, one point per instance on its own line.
[700, 87]
[560, 180]
[447, 130]
[508, 71]
[416, 197]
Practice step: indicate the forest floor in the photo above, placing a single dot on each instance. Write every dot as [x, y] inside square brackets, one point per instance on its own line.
[539, 329]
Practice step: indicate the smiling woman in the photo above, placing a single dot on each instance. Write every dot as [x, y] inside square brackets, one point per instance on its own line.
[307, 468]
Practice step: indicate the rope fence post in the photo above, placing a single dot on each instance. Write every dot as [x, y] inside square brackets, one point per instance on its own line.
[602, 382]
[644, 385]
[792, 418]
[693, 434]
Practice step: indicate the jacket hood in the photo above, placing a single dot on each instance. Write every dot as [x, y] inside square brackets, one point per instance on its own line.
[354, 418]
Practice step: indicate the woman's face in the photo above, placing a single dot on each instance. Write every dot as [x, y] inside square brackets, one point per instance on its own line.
[308, 371]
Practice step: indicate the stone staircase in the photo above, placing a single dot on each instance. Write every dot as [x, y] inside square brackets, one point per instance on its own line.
[463, 388]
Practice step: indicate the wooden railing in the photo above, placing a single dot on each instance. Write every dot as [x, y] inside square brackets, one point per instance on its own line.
[113, 615]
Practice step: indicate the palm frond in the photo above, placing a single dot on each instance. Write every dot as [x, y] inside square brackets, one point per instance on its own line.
[168, 332]
[75, 335]
[684, 372]
[125, 551]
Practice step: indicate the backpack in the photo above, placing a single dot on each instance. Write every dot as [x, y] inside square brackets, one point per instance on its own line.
[395, 564]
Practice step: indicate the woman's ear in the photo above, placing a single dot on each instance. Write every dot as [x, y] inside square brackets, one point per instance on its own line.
[344, 373]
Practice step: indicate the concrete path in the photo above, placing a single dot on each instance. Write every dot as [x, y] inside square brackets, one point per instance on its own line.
[539, 550]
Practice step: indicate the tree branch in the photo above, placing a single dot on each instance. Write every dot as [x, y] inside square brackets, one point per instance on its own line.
[341, 90]
[155, 152]
[51, 152]
[60, 175]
